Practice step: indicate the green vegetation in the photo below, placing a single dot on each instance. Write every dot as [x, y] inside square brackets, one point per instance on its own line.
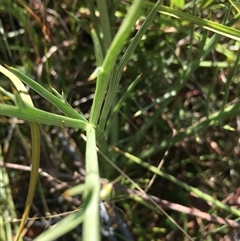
[134, 112]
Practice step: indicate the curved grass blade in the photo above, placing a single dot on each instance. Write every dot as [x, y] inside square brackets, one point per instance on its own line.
[35, 136]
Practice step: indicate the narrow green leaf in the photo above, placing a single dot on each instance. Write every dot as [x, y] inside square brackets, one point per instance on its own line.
[34, 114]
[97, 48]
[207, 24]
[236, 5]
[110, 59]
[116, 76]
[64, 226]
[230, 111]
[183, 185]
[62, 106]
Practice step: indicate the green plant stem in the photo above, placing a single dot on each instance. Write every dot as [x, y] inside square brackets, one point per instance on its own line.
[36, 115]
[110, 95]
[67, 224]
[110, 59]
[91, 224]
[105, 23]
[229, 80]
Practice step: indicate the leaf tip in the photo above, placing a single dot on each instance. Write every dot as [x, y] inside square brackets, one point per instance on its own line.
[7, 66]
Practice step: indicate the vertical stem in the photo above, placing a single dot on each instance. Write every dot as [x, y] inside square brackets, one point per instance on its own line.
[105, 23]
[91, 225]
[110, 59]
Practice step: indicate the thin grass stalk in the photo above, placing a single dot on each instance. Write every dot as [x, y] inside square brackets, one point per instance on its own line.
[91, 224]
[97, 48]
[94, 19]
[232, 33]
[110, 125]
[7, 208]
[64, 226]
[105, 23]
[128, 53]
[110, 59]
[229, 80]
[181, 184]
[230, 111]
[134, 43]
[110, 95]
[210, 91]
[157, 208]
[206, 24]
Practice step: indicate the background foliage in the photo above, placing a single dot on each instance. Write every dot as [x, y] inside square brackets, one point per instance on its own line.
[184, 70]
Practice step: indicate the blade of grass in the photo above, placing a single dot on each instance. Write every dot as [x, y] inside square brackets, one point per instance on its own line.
[94, 18]
[230, 79]
[64, 226]
[7, 208]
[236, 5]
[97, 48]
[59, 103]
[35, 136]
[206, 24]
[119, 105]
[110, 59]
[230, 111]
[127, 55]
[25, 98]
[44, 117]
[176, 181]
[102, 7]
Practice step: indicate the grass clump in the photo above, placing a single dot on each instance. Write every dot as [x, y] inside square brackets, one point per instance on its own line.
[138, 105]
